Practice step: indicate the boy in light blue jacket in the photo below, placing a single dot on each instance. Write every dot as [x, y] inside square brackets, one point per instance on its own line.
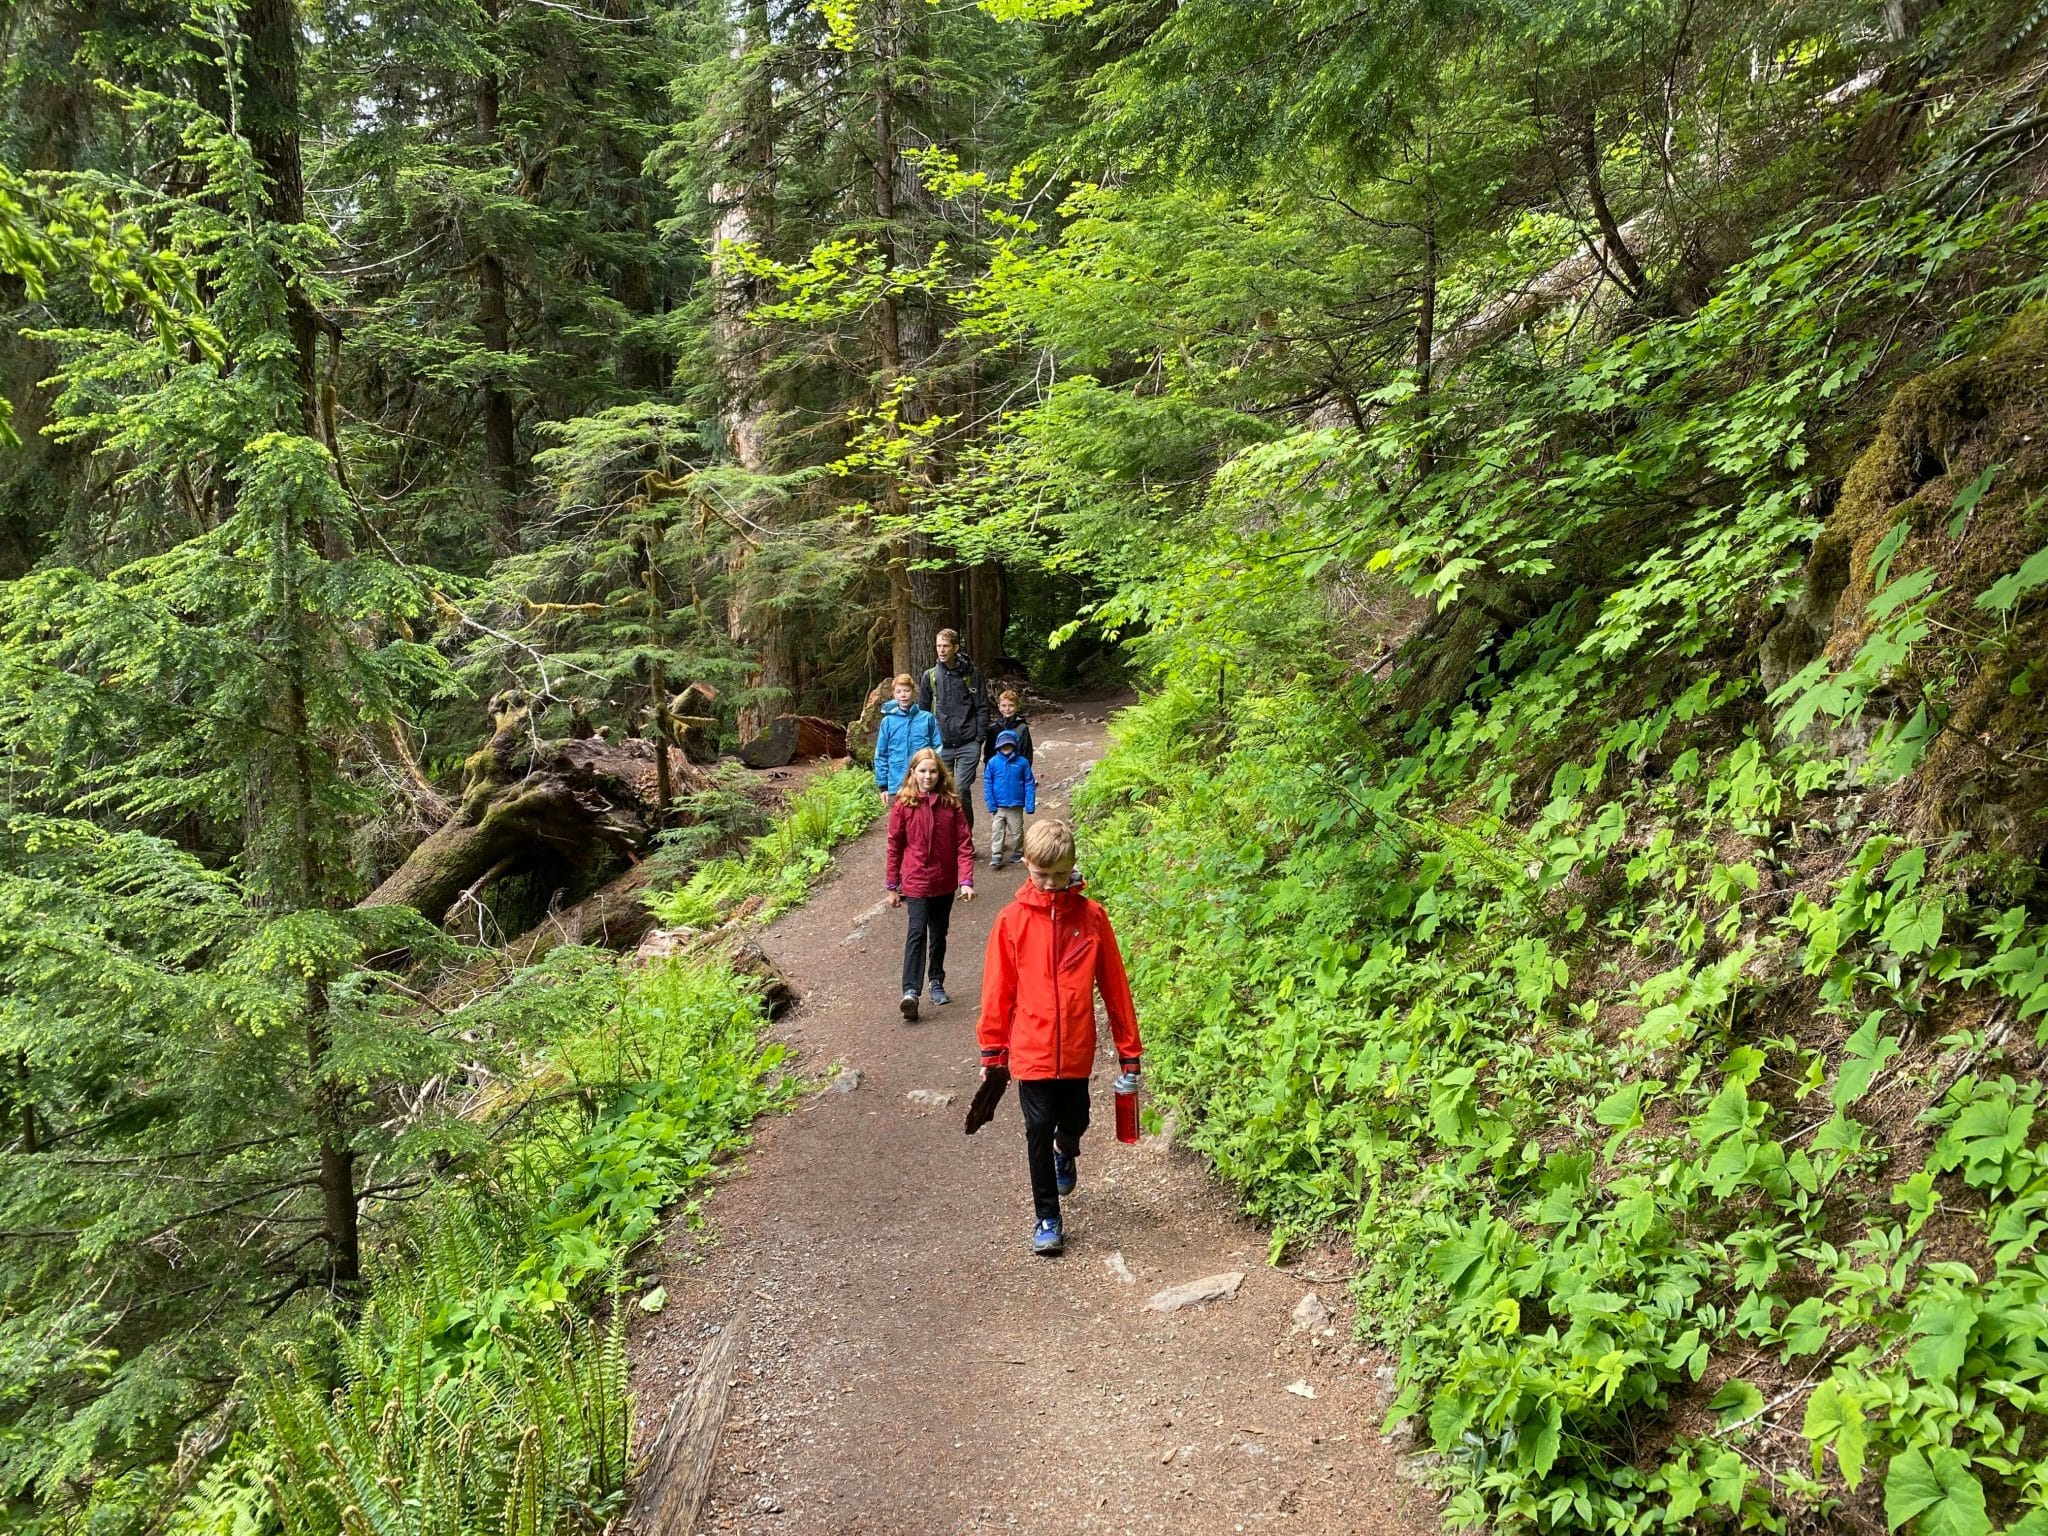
[1010, 789]
[904, 731]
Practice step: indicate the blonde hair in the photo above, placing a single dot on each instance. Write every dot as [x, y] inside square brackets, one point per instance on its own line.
[904, 680]
[1008, 696]
[948, 634]
[1049, 845]
[945, 794]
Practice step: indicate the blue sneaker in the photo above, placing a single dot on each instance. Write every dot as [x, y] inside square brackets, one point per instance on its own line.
[1046, 1240]
[1063, 1172]
[939, 998]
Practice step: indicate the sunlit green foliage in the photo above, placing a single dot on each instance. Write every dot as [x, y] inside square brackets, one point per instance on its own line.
[780, 865]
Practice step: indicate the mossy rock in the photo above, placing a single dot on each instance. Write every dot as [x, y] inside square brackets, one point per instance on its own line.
[1938, 435]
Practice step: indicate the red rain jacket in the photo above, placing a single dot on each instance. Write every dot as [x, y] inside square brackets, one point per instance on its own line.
[1047, 954]
[931, 848]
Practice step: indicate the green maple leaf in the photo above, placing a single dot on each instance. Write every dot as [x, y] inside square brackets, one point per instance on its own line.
[1937, 1492]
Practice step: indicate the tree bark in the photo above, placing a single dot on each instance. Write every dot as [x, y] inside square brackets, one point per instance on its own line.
[288, 843]
[270, 120]
[988, 612]
[744, 214]
[1425, 346]
[904, 341]
[494, 324]
[1610, 232]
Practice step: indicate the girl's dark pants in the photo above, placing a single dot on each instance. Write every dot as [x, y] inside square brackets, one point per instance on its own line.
[1055, 1113]
[929, 917]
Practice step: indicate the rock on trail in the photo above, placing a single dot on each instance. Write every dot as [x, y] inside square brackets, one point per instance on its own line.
[906, 1367]
[1194, 1293]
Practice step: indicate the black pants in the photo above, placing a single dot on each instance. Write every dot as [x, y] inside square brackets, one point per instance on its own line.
[929, 918]
[1055, 1114]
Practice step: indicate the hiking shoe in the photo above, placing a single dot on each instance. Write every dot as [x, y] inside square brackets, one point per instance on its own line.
[1046, 1240]
[994, 862]
[939, 997]
[910, 1007]
[1063, 1172]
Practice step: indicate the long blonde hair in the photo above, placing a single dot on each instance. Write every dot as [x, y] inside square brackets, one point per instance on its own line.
[945, 794]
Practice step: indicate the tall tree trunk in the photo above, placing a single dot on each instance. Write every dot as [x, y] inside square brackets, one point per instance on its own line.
[744, 214]
[1425, 347]
[494, 323]
[295, 880]
[640, 366]
[905, 339]
[270, 119]
[988, 611]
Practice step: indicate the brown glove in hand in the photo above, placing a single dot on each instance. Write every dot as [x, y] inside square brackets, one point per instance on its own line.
[994, 1080]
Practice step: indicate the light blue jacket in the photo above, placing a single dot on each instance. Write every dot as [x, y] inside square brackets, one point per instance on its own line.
[902, 734]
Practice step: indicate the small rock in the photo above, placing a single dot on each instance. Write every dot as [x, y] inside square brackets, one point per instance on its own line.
[1120, 1269]
[845, 1080]
[1193, 1293]
[1309, 1312]
[1169, 1130]
[930, 1097]
[1301, 1389]
[1383, 1387]
[767, 1505]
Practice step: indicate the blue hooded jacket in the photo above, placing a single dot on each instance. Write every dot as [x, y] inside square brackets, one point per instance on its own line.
[1008, 781]
[900, 736]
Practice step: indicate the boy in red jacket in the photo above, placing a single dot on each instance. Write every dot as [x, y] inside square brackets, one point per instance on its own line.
[1048, 953]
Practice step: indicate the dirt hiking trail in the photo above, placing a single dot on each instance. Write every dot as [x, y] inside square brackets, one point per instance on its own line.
[908, 1366]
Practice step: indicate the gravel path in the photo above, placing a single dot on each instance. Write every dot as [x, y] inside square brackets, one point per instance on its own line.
[912, 1369]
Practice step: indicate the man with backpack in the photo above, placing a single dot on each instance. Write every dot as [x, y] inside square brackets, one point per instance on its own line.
[953, 691]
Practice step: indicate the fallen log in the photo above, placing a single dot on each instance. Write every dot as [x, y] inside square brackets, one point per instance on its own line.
[739, 950]
[571, 814]
[790, 737]
[675, 1478]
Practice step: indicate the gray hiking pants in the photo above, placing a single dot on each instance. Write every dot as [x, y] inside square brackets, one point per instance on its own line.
[962, 762]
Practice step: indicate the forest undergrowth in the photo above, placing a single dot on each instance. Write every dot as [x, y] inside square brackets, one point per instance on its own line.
[1655, 987]
[475, 1380]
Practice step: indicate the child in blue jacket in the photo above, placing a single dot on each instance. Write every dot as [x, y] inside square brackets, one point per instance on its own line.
[1011, 791]
[904, 731]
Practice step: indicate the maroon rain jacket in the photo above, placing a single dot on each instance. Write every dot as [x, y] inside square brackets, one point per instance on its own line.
[931, 847]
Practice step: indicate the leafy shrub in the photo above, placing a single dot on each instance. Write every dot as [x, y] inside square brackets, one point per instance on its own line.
[779, 866]
[1651, 1030]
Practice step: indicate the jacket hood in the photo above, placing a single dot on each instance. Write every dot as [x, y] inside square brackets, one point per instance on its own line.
[891, 707]
[1006, 739]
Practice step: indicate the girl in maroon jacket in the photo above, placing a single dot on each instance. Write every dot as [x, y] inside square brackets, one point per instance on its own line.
[931, 858]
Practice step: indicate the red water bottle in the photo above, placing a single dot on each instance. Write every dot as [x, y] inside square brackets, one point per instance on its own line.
[1127, 1107]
